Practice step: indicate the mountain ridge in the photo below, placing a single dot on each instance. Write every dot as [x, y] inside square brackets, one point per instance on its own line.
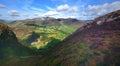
[95, 44]
[96, 35]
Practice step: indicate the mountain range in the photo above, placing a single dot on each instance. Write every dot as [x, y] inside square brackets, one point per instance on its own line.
[41, 31]
[95, 43]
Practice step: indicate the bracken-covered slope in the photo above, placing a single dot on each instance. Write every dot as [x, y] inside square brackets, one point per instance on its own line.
[95, 44]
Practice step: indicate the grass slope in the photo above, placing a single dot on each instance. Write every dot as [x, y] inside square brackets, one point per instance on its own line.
[9, 45]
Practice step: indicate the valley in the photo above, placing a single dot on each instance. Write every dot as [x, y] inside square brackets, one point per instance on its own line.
[49, 41]
[38, 33]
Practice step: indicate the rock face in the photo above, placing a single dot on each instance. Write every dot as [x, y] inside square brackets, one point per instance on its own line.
[9, 45]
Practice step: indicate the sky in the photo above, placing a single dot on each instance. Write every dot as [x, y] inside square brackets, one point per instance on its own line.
[79, 9]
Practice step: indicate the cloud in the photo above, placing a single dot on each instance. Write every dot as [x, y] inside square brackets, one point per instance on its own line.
[37, 9]
[27, 4]
[2, 6]
[67, 8]
[64, 7]
[26, 15]
[97, 10]
[38, 15]
[51, 13]
[50, 9]
[75, 9]
[13, 13]
[61, 11]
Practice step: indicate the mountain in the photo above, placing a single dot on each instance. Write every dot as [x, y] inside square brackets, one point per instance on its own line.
[48, 20]
[5, 21]
[2, 21]
[39, 32]
[9, 45]
[95, 44]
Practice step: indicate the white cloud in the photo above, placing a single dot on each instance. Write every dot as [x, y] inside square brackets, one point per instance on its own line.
[75, 9]
[51, 13]
[37, 9]
[26, 15]
[61, 11]
[50, 9]
[27, 4]
[64, 7]
[13, 13]
[47, 14]
[103, 9]
[38, 15]
[2, 6]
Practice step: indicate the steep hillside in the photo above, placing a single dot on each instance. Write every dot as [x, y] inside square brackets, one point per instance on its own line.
[9, 45]
[95, 44]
